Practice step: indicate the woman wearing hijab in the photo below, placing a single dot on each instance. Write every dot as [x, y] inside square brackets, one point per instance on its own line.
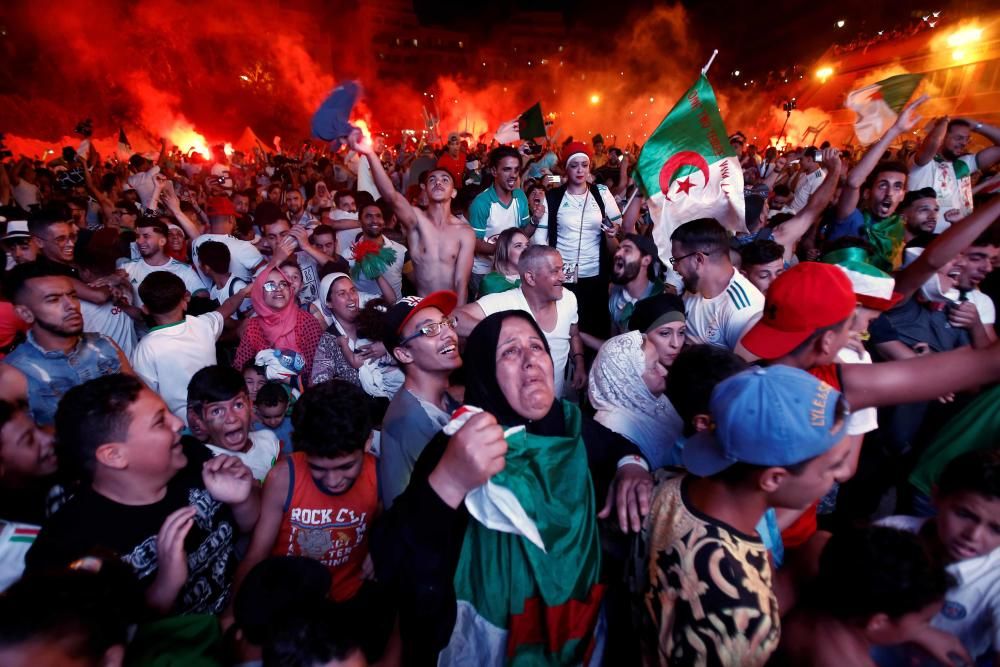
[525, 590]
[278, 324]
[628, 379]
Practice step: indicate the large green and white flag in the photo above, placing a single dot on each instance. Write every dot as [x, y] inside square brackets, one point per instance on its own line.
[879, 104]
[688, 170]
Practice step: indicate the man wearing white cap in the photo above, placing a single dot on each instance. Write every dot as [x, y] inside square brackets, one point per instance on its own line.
[18, 243]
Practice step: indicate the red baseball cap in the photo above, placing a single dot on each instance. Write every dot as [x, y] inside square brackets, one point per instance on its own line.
[220, 206]
[806, 297]
[406, 308]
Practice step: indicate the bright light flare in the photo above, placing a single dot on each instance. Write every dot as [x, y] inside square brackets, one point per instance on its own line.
[824, 73]
[366, 134]
[227, 148]
[595, 99]
[964, 36]
[840, 23]
[185, 137]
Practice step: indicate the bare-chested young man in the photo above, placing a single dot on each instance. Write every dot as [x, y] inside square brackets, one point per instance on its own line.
[441, 246]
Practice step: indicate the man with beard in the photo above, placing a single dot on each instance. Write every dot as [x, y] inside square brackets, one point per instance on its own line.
[441, 245]
[151, 240]
[942, 163]
[879, 187]
[979, 258]
[633, 277]
[295, 209]
[721, 303]
[372, 216]
[57, 354]
[422, 339]
[920, 213]
[497, 208]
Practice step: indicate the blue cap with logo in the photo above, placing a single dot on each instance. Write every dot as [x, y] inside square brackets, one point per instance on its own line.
[775, 416]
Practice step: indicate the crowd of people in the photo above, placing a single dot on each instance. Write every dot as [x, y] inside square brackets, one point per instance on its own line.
[450, 404]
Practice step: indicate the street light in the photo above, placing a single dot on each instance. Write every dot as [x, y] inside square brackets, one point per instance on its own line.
[840, 23]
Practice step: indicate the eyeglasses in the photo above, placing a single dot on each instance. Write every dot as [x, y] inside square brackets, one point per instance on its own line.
[430, 329]
[674, 260]
[271, 286]
[62, 239]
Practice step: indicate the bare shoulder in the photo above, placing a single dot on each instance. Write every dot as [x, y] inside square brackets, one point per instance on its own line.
[462, 227]
[13, 384]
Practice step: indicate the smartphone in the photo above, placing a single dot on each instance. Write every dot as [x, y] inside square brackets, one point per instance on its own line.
[553, 180]
[819, 157]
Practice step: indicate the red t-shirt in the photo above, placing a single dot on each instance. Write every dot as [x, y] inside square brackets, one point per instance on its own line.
[332, 529]
[454, 165]
[805, 526]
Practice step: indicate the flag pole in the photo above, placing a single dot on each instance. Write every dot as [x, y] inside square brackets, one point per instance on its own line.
[704, 70]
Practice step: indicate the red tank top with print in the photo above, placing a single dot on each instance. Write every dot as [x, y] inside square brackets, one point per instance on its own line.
[805, 526]
[332, 529]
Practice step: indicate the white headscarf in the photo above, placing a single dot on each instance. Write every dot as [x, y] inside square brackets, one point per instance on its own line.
[324, 295]
[626, 406]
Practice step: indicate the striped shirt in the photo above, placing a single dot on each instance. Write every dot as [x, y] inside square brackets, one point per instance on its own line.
[722, 320]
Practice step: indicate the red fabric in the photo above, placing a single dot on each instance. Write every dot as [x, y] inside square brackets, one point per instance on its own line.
[307, 332]
[10, 325]
[554, 626]
[331, 529]
[454, 165]
[829, 374]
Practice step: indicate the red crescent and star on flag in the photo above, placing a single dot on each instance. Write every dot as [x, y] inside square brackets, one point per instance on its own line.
[676, 162]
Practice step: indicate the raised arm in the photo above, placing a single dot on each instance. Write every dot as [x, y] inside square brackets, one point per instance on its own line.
[856, 177]
[987, 157]
[404, 212]
[931, 144]
[173, 204]
[789, 232]
[945, 247]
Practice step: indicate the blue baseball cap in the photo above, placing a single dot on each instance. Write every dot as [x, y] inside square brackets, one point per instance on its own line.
[775, 416]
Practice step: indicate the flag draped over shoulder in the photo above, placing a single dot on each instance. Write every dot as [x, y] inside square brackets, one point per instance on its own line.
[688, 170]
[519, 604]
[879, 104]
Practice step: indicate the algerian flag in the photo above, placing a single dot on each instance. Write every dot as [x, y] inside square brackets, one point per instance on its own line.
[531, 124]
[124, 147]
[879, 104]
[688, 170]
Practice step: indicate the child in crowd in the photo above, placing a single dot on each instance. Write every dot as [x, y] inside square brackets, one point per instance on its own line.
[320, 501]
[965, 533]
[168, 511]
[271, 407]
[218, 397]
[255, 377]
[876, 586]
[213, 260]
[179, 344]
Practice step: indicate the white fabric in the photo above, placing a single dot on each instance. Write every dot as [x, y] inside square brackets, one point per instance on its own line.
[971, 608]
[558, 338]
[722, 320]
[144, 183]
[568, 220]
[25, 194]
[243, 256]
[500, 218]
[984, 304]
[222, 294]
[112, 321]
[15, 540]
[952, 193]
[393, 273]
[625, 405]
[807, 186]
[864, 420]
[262, 455]
[474, 641]
[167, 358]
[138, 269]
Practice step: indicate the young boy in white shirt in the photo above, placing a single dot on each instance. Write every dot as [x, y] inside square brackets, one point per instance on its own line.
[217, 396]
[213, 262]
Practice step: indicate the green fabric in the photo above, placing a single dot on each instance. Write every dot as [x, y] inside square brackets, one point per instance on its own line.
[896, 90]
[694, 125]
[961, 168]
[530, 124]
[373, 265]
[193, 640]
[974, 428]
[494, 283]
[497, 572]
[888, 238]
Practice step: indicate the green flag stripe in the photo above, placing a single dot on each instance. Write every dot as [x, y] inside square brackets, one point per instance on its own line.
[896, 90]
[694, 124]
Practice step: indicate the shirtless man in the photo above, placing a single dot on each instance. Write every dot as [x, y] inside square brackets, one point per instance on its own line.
[441, 246]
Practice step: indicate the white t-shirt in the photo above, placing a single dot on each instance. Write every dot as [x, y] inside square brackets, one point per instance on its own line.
[138, 269]
[808, 184]
[243, 256]
[144, 183]
[232, 286]
[971, 608]
[112, 321]
[262, 455]
[864, 420]
[984, 304]
[571, 210]
[722, 321]
[952, 192]
[558, 338]
[169, 355]
[394, 273]
[25, 194]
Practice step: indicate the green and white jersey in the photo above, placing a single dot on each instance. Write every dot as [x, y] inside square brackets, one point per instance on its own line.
[488, 217]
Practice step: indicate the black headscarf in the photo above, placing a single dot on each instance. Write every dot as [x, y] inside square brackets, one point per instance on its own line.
[482, 389]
